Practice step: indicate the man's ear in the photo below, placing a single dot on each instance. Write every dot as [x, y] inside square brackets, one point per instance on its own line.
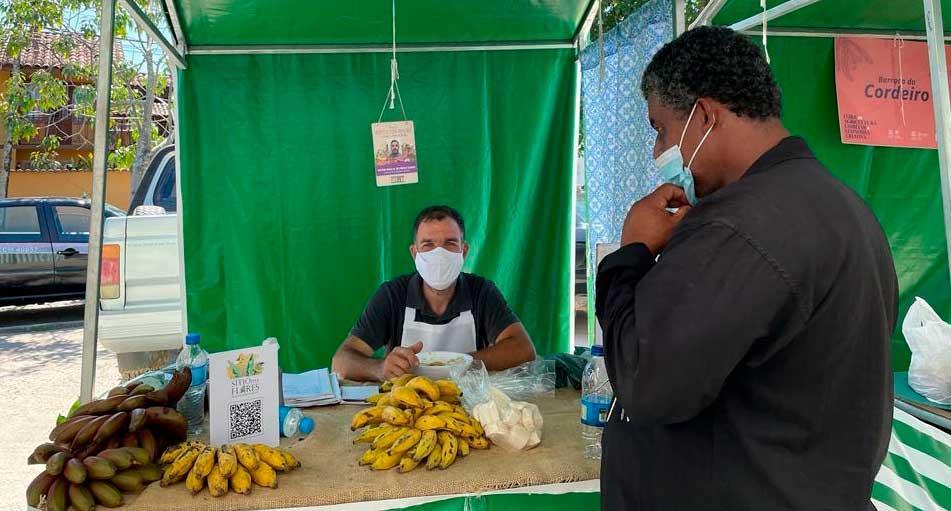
[412, 251]
[707, 112]
[465, 250]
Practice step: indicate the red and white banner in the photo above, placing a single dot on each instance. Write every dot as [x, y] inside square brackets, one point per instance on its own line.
[883, 88]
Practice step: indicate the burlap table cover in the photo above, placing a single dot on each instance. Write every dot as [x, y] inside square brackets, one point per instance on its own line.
[331, 475]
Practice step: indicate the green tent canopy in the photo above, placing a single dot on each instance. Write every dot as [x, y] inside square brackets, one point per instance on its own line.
[285, 232]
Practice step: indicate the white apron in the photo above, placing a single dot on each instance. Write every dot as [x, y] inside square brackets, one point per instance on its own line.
[458, 335]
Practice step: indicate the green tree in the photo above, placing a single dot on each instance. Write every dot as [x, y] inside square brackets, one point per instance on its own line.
[139, 77]
[20, 21]
[145, 77]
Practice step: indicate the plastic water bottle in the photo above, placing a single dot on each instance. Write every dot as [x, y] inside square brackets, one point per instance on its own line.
[192, 404]
[596, 395]
[293, 422]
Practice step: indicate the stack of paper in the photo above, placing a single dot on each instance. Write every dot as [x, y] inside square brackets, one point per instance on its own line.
[313, 388]
[320, 387]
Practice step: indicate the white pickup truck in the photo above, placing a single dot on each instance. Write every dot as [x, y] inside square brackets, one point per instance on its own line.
[140, 318]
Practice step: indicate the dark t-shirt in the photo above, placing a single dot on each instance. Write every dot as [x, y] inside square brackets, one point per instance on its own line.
[381, 323]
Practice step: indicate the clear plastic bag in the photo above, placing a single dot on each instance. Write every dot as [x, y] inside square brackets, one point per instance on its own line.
[526, 381]
[521, 383]
[930, 341]
[498, 401]
[473, 381]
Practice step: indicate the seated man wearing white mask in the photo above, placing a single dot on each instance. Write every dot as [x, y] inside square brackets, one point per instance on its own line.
[437, 308]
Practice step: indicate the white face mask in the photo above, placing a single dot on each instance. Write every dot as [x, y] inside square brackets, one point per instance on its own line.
[439, 267]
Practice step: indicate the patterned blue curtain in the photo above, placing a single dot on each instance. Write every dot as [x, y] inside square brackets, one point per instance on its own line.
[618, 139]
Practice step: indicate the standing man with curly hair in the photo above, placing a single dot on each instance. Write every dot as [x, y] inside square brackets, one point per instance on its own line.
[747, 335]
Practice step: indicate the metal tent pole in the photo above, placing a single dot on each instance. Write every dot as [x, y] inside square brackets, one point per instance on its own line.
[581, 37]
[180, 209]
[708, 13]
[934, 25]
[868, 33]
[780, 10]
[680, 17]
[142, 20]
[100, 157]
[176, 26]
[576, 114]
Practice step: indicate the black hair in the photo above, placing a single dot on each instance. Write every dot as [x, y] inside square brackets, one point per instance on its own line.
[439, 213]
[716, 63]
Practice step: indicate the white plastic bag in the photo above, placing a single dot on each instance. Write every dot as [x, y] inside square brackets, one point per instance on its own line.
[930, 341]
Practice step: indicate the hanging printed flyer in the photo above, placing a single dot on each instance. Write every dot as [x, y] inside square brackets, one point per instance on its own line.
[394, 148]
[883, 89]
[243, 396]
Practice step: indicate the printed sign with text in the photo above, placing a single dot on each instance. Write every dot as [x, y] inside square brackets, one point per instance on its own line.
[394, 153]
[883, 88]
[243, 396]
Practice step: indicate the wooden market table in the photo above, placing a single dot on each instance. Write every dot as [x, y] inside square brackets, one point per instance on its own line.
[331, 476]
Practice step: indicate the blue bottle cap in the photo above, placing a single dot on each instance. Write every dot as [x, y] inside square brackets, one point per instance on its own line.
[192, 339]
[597, 350]
[306, 425]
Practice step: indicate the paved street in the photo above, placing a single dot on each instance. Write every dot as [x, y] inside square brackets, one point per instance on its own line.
[40, 372]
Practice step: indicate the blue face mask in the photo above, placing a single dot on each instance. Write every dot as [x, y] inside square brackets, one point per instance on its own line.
[671, 163]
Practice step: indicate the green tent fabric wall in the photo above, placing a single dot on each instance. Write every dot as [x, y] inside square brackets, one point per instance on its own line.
[285, 231]
[902, 186]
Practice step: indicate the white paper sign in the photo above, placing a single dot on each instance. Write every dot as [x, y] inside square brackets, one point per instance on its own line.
[243, 396]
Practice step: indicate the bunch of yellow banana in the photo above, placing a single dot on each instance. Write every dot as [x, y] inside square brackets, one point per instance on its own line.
[232, 467]
[444, 390]
[414, 421]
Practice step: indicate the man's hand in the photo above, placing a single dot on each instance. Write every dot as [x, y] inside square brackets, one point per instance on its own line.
[400, 361]
[648, 220]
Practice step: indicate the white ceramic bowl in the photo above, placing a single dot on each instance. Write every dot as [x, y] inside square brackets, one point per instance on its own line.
[438, 365]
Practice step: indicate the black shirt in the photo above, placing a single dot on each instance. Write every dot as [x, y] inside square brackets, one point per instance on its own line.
[752, 360]
[381, 323]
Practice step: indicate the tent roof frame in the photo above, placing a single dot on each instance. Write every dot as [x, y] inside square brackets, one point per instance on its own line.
[358, 48]
[141, 19]
[180, 48]
[780, 10]
[177, 53]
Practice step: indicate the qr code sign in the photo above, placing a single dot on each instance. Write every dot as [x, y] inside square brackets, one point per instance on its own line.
[246, 419]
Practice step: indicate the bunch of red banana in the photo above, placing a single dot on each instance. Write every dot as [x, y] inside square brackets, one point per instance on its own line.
[109, 446]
